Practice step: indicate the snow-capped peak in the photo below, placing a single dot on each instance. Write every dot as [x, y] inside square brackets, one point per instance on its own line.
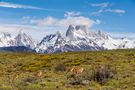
[5, 35]
[103, 35]
[6, 39]
[70, 31]
[22, 39]
[76, 32]
[51, 39]
[77, 38]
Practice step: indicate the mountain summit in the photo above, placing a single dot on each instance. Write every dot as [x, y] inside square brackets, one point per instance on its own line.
[22, 39]
[76, 38]
[74, 33]
[80, 38]
[6, 39]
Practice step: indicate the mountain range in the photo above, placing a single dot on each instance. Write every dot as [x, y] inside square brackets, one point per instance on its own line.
[76, 38]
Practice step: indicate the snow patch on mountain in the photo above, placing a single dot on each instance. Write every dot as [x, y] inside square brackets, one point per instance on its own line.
[6, 39]
[22, 39]
[76, 38]
[79, 38]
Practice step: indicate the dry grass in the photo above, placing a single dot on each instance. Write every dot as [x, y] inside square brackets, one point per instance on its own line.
[103, 70]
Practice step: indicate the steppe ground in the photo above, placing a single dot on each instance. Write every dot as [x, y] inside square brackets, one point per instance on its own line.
[101, 70]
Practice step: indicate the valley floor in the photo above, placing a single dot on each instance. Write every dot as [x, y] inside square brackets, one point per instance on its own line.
[95, 70]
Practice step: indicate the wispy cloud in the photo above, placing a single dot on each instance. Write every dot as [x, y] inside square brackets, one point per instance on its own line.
[103, 8]
[64, 22]
[36, 32]
[119, 11]
[130, 35]
[97, 13]
[72, 14]
[13, 5]
[73, 18]
[103, 5]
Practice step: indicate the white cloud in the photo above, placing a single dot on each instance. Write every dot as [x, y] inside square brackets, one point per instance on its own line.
[38, 28]
[12, 5]
[48, 21]
[73, 18]
[36, 32]
[103, 5]
[25, 19]
[119, 11]
[65, 22]
[123, 34]
[97, 21]
[103, 8]
[72, 14]
[97, 13]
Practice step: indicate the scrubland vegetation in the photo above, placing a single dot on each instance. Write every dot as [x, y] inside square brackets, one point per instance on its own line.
[94, 70]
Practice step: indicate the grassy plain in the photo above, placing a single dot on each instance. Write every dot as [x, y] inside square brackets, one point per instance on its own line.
[29, 71]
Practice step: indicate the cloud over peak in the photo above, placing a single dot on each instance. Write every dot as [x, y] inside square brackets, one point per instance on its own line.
[70, 18]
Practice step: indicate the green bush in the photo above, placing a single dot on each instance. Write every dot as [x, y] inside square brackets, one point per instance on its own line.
[60, 67]
[102, 73]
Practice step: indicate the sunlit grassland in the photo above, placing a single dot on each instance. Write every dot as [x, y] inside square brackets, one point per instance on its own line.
[18, 71]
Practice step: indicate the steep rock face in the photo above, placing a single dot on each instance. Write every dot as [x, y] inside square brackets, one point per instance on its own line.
[6, 40]
[49, 42]
[76, 39]
[126, 43]
[22, 39]
[70, 31]
[79, 38]
[77, 32]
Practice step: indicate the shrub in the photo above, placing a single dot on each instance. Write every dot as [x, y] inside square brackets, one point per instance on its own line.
[30, 79]
[75, 79]
[60, 67]
[102, 73]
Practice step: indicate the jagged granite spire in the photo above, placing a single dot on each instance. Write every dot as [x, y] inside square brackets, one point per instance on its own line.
[22, 39]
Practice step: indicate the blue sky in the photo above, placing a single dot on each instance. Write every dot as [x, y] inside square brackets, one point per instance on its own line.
[40, 17]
